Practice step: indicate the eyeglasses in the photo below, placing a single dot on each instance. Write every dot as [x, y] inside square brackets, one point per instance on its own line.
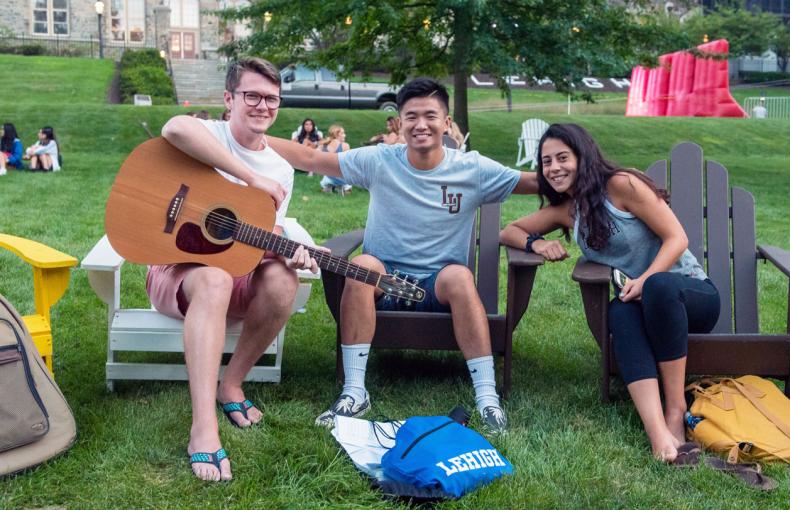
[254, 99]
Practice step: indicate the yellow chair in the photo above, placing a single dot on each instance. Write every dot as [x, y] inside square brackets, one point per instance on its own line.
[50, 279]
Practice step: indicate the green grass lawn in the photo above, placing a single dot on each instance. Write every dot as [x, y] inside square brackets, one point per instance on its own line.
[568, 449]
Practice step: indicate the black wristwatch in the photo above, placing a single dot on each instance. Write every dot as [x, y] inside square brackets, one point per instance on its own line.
[531, 238]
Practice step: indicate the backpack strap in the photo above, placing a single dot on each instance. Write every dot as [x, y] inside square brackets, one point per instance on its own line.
[749, 392]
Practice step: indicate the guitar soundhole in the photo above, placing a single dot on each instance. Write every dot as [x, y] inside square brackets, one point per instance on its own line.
[190, 239]
[220, 224]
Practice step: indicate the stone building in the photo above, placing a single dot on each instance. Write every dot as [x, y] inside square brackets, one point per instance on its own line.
[186, 29]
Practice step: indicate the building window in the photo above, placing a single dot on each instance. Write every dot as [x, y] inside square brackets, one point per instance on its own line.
[185, 13]
[127, 20]
[51, 17]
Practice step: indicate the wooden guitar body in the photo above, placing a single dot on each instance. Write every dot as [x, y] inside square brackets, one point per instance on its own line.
[166, 207]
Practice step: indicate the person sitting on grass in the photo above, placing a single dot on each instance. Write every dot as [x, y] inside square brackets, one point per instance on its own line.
[308, 135]
[619, 218]
[423, 201]
[44, 154]
[206, 296]
[393, 134]
[11, 149]
[336, 142]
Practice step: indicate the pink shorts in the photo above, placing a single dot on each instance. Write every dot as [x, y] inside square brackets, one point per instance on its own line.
[163, 284]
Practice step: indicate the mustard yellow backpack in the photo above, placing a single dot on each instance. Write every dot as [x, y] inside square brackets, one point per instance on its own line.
[747, 418]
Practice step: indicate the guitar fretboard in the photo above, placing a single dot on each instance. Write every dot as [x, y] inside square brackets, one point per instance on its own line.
[265, 240]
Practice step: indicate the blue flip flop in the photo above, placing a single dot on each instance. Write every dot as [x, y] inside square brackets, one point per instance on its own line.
[209, 458]
[237, 407]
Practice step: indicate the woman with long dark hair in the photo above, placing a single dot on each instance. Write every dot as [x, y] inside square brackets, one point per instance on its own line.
[44, 153]
[10, 149]
[619, 218]
[308, 134]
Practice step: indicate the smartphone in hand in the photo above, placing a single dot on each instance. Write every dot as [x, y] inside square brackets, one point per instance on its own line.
[619, 278]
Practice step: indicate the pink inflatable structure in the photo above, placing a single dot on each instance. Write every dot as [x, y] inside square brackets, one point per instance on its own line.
[684, 85]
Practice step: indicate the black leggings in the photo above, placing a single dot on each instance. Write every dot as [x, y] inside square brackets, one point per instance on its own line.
[656, 328]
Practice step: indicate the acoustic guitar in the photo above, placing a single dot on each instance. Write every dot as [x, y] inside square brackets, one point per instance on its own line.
[165, 207]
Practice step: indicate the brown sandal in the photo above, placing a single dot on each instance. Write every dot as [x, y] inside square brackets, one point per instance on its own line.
[688, 455]
[750, 474]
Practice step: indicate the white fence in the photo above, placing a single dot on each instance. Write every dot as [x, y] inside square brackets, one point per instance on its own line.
[776, 107]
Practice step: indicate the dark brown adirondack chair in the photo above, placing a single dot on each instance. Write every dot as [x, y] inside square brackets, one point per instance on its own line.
[719, 222]
[420, 330]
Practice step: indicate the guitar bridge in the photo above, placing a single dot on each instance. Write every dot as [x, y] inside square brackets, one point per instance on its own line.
[175, 208]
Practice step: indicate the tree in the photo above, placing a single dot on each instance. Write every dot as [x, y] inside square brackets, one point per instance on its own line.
[749, 33]
[781, 45]
[562, 40]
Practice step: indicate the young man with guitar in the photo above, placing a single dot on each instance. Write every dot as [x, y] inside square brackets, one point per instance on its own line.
[423, 200]
[204, 295]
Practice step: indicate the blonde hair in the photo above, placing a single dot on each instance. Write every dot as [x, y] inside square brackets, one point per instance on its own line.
[456, 134]
[334, 132]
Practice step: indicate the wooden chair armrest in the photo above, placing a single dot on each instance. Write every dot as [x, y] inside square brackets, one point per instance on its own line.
[103, 265]
[341, 246]
[51, 269]
[344, 245]
[518, 257]
[36, 254]
[778, 257]
[587, 272]
[593, 282]
[521, 270]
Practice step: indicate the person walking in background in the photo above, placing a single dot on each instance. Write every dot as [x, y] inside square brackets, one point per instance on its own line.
[760, 111]
[44, 154]
[10, 149]
[335, 142]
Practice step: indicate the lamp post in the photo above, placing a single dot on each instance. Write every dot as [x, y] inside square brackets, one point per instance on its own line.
[99, 5]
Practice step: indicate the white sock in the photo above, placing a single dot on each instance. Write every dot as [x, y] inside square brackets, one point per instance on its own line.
[355, 361]
[482, 371]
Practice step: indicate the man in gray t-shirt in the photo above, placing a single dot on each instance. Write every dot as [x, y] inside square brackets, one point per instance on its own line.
[423, 199]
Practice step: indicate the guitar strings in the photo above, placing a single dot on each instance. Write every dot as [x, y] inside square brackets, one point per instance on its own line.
[342, 264]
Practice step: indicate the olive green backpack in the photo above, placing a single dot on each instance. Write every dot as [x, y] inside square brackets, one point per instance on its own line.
[36, 423]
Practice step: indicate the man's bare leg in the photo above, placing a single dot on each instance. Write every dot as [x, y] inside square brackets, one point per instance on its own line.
[275, 289]
[208, 290]
[358, 305]
[357, 326]
[455, 287]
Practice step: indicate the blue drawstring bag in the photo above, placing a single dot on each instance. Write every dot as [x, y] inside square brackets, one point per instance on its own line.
[437, 452]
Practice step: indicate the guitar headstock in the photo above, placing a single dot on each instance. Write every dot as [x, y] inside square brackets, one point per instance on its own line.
[400, 287]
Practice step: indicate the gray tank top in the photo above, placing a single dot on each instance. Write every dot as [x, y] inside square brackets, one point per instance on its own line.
[632, 246]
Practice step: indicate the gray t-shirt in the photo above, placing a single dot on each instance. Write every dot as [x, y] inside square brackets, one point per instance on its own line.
[421, 220]
[632, 246]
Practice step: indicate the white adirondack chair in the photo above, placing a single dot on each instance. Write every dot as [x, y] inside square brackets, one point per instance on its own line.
[531, 131]
[149, 331]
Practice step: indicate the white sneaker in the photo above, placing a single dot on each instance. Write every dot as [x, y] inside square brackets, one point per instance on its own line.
[345, 405]
[3, 171]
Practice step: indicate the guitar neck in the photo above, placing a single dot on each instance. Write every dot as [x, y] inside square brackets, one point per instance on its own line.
[265, 240]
